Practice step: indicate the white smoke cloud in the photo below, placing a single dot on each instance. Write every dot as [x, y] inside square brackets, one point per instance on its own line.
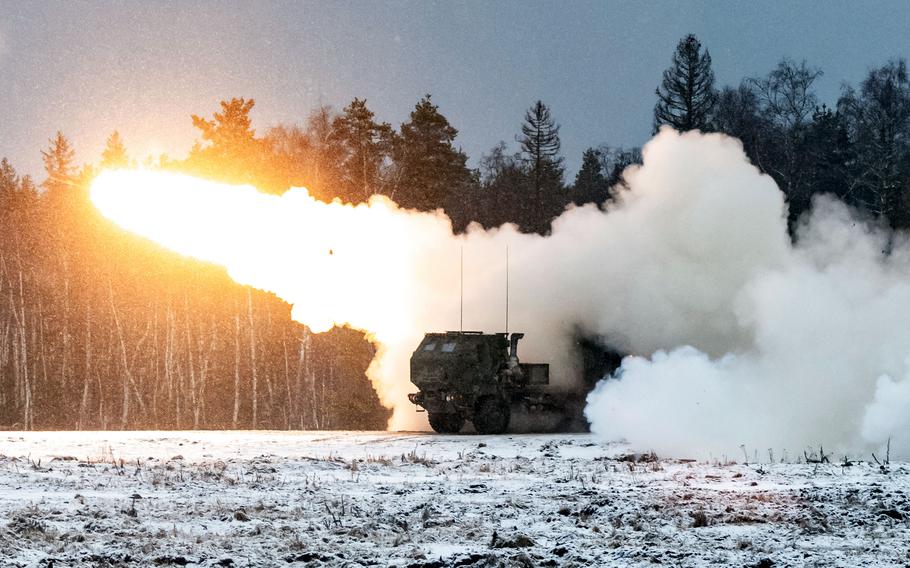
[887, 415]
[819, 332]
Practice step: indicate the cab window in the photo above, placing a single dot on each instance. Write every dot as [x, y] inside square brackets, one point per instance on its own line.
[429, 347]
[448, 347]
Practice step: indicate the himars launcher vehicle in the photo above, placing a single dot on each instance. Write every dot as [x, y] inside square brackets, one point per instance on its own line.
[477, 377]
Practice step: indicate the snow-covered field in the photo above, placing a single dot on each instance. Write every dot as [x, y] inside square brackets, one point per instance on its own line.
[414, 499]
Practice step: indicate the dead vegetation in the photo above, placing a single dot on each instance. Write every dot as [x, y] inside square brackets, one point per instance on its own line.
[567, 509]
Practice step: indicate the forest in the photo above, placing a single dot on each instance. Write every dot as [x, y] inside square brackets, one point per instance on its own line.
[100, 329]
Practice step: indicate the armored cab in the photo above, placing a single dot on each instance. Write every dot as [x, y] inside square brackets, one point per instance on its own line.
[474, 376]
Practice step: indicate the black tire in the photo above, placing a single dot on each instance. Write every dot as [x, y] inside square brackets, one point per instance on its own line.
[491, 415]
[449, 423]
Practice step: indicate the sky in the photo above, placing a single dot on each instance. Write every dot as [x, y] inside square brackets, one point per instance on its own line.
[88, 68]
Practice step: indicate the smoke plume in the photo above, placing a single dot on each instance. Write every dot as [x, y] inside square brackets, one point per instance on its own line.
[818, 354]
[738, 337]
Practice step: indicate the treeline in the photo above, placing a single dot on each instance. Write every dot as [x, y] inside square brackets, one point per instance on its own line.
[857, 149]
[103, 330]
[100, 329]
[351, 156]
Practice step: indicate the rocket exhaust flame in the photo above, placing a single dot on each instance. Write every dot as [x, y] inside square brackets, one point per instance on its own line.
[311, 253]
[694, 254]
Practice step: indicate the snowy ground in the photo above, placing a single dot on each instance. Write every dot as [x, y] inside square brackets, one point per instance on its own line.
[406, 499]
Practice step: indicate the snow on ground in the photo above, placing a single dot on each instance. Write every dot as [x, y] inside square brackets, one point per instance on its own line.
[415, 499]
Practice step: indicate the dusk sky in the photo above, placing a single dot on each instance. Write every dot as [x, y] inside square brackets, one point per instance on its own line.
[88, 68]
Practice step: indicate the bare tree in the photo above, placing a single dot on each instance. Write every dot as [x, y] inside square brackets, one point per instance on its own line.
[879, 124]
[788, 102]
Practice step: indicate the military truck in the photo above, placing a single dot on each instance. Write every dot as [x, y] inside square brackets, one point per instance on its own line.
[477, 377]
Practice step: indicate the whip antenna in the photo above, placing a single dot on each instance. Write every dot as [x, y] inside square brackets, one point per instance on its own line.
[507, 289]
[461, 294]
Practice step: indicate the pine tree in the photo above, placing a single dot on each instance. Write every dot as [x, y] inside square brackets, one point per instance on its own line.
[362, 146]
[229, 150]
[428, 168]
[114, 154]
[28, 191]
[27, 198]
[9, 185]
[590, 183]
[229, 129]
[540, 145]
[58, 164]
[12, 197]
[686, 94]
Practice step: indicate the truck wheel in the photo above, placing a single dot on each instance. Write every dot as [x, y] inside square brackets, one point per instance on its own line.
[448, 423]
[491, 416]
